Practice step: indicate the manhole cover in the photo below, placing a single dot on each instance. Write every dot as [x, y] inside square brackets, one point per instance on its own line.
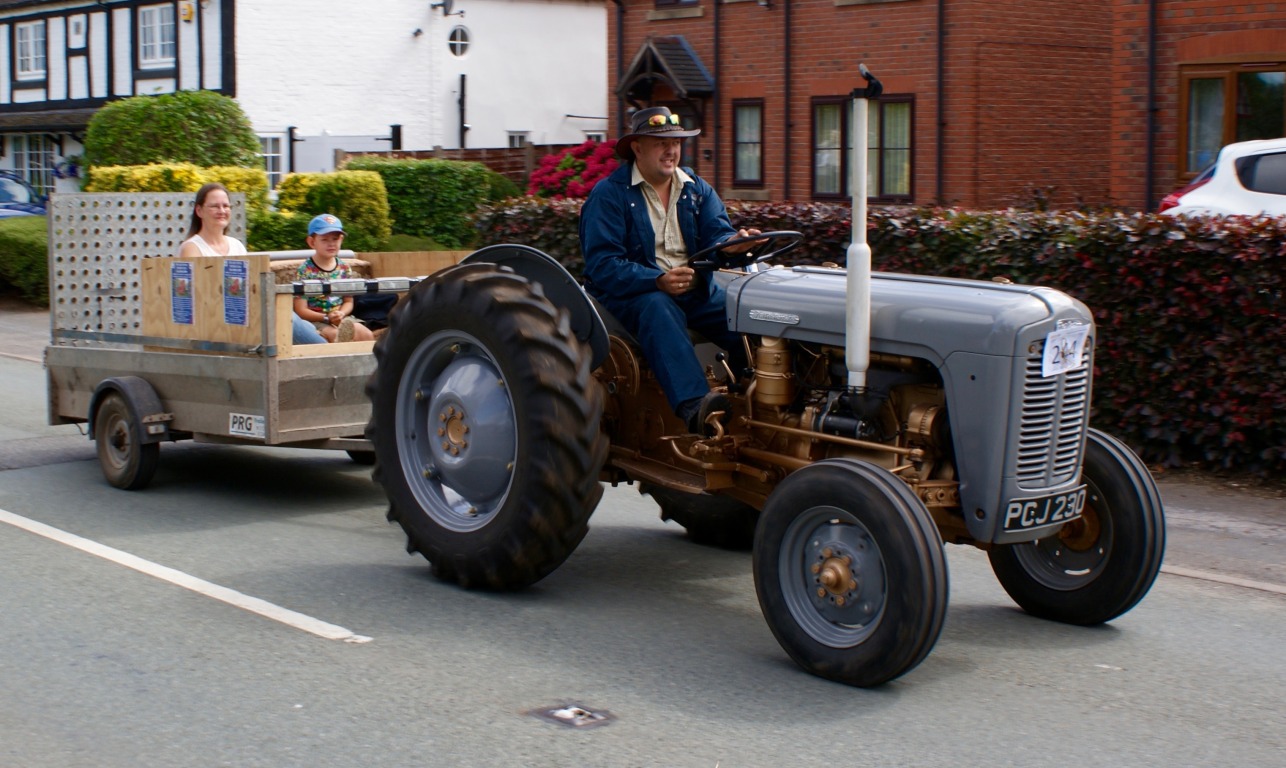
[573, 716]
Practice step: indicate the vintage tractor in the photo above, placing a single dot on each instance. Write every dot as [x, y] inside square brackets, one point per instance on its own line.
[880, 417]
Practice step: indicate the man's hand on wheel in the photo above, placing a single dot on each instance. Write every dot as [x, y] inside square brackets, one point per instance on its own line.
[743, 247]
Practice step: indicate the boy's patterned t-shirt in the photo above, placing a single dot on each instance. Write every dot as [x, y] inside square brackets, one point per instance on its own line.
[310, 271]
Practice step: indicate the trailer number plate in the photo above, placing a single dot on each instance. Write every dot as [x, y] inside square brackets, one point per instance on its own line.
[1021, 514]
[245, 425]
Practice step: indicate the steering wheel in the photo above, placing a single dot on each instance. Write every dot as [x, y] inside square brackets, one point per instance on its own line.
[702, 258]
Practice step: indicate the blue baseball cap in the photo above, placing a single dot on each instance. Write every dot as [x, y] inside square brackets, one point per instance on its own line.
[324, 224]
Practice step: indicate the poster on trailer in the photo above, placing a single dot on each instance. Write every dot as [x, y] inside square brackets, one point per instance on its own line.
[234, 292]
[181, 292]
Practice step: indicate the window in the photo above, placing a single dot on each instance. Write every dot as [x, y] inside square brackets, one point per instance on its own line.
[748, 142]
[458, 42]
[156, 36]
[270, 151]
[1224, 104]
[517, 139]
[1263, 173]
[672, 3]
[33, 159]
[595, 136]
[888, 136]
[31, 50]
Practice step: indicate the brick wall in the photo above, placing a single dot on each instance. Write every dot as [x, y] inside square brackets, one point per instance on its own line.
[1026, 82]
[516, 164]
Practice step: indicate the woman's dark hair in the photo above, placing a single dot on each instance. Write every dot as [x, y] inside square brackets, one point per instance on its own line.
[201, 194]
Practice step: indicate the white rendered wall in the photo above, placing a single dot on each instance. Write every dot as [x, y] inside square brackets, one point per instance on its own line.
[346, 68]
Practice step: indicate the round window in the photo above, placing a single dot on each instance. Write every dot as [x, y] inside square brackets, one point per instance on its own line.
[459, 41]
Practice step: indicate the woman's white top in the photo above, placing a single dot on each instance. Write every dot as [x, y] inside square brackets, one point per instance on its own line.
[235, 247]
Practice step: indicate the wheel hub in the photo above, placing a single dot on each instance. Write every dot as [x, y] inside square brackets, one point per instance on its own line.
[845, 575]
[454, 430]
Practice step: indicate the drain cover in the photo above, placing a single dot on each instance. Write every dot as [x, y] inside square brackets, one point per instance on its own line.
[573, 716]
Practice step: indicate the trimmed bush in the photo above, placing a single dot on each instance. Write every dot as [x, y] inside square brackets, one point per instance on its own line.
[435, 198]
[1190, 312]
[199, 127]
[574, 171]
[543, 223]
[358, 198]
[180, 177]
[273, 231]
[24, 243]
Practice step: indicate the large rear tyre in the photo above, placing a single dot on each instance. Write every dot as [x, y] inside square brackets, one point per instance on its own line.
[1101, 565]
[127, 462]
[485, 424]
[710, 520]
[850, 572]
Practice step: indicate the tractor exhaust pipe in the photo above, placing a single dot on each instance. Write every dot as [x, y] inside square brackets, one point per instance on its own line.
[857, 319]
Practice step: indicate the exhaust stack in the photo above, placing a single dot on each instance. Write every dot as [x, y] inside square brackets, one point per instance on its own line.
[857, 319]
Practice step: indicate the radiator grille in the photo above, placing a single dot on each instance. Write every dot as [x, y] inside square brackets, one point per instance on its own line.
[1054, 418]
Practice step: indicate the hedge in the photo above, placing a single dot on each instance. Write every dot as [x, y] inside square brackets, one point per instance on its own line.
[435, 198]
[24, 243]
[1189, 311]
[180, 177]
[200, 127]
[358, 198]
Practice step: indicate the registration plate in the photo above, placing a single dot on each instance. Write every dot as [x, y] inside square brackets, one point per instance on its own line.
[1021, 514]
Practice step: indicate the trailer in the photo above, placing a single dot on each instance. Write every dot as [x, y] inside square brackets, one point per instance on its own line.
[146, 348]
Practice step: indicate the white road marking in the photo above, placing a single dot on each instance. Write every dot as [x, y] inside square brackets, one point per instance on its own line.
[179, 578]
[1219, 578]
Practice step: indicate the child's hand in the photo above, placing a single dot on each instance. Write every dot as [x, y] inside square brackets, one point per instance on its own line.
[334, 318]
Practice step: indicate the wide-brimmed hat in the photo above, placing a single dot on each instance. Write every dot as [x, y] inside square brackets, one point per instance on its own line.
[653, 121]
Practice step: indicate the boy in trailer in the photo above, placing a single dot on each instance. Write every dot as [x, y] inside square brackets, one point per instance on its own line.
[332, 316]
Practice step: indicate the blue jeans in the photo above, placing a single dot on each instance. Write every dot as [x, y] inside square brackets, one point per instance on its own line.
[303, 332]
[660, 322]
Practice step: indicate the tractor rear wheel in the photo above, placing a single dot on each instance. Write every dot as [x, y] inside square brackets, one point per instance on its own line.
[485, 424]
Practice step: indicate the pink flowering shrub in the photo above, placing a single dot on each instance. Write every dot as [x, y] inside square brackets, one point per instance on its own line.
[574, 171]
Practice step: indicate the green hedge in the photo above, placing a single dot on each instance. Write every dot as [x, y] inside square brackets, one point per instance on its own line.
[435, 198]
[24, 243]
[358, 198]
[1190, 313]
[200, 127]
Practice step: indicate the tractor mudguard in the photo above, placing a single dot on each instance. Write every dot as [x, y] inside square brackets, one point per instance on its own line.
[559, 287]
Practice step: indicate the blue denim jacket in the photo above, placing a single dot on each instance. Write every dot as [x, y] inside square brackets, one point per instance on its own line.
[617, 240]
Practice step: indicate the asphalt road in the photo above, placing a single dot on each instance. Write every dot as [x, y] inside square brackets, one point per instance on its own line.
[104, 665]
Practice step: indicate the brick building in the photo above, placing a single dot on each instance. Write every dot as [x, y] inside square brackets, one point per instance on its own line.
[987, 102]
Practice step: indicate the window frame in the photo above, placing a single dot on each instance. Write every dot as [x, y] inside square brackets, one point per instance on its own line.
[156, 62]
[23, 69]
[39, 175]
[874, 193]
[1227, 72]
[265, 140]
[756, 182]
[519, 139]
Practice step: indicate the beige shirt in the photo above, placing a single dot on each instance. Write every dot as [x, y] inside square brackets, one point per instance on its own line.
[671, 251]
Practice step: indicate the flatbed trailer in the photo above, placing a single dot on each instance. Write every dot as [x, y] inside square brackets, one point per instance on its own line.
[147, 348]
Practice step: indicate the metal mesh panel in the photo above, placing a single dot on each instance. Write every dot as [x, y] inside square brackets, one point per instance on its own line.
[96, 243]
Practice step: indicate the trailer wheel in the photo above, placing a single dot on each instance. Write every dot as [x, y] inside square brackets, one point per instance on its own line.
[127, 462]
[850, 572]
[1099, 566]
[485, 424]
[710, 519]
